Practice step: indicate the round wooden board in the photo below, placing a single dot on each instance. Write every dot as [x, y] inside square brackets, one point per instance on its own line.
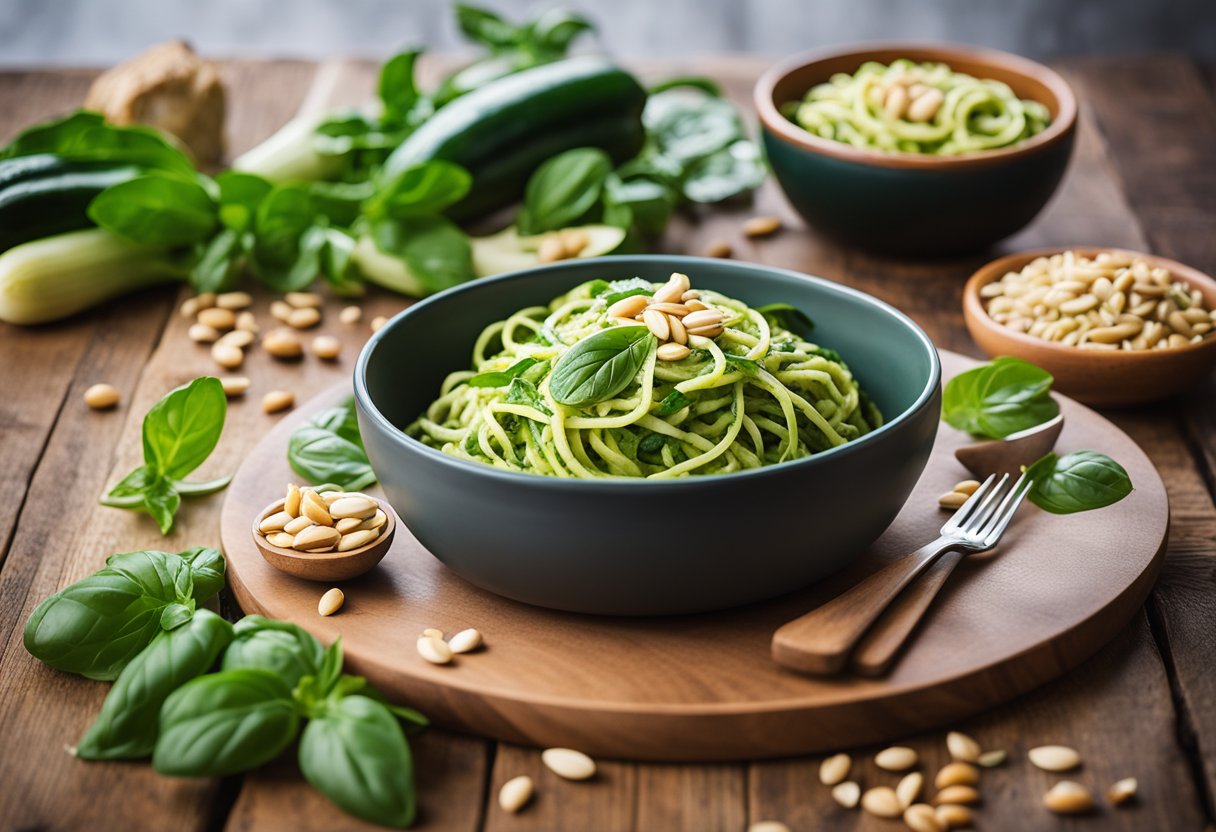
[704, 687]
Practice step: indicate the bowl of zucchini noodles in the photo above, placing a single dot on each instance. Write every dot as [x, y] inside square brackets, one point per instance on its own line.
[916, 149]
[549, 439]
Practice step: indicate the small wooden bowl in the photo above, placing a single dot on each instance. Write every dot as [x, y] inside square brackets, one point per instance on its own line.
[325, 566]
[1095, 377]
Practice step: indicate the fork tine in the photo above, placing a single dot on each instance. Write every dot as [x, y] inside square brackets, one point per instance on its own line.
[1008, 509]
[955, 522]
[977, 520]
[996, 516]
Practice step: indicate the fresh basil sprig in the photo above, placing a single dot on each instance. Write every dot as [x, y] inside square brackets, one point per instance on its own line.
[788, 317]
[127, 726]
[502, 378]
[97, 625]
[1078, 481]
[179, 433]
[600, 365]
[329, 449]
[286, 649]
[85, 136]
[563, 190]
[999, 398]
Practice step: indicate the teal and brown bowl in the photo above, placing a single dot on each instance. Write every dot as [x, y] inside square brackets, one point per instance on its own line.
[914, 204]
[638, 547]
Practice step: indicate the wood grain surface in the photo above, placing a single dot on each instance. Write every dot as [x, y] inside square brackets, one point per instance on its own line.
[1144, 176]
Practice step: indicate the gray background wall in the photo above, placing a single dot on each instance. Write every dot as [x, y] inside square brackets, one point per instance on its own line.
[92, 32]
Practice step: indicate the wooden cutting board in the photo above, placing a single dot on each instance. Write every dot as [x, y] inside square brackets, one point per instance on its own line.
[703, 687]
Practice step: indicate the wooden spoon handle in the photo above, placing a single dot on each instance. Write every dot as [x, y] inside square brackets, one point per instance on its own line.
[820, 641]
[880, 646]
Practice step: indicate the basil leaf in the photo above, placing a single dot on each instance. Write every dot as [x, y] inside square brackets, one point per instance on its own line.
[1001, 397]
[685, 128]
[613, 297]
[161, 501]
[674, 402]
[743, 365]
[1079, 481]
[420, 191]
[207, 570]
[342, 420]
[434, 248]
[503, 377]
[156, 209]
[127, 726]
[182, 429]
[597, 287]
[225, 723]
[524, 392]
[201, 489]
[555, 28]
[329, 449]
[85, 136]
[643, 203]
[396, 86]
[285, 649]
[829, 354]
[724, 174]
[240, 196]
[696, 82]
[788, 317]
[216, 266]
[484, 26]
[97, 625]
[563, 189]
[600, 366]
[355, 754]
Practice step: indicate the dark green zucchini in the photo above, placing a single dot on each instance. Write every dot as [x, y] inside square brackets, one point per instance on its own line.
[44, 194]
[503, 131]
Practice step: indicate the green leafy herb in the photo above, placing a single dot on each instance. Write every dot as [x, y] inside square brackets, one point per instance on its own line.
[563, 190]
[788, 317]
[829, 354]
[97, 625]
[673, 402]
[156, 209]
[434, 249]
[524, 392]
[502, 378]
[600, 365]
[126, 728]
[329, 449]
[999, 398]
[287, 650]
[743, 365]
[1079, 481]
[420, 191]
[179, 433]
[225, 723]
[85, 136]
[207, 569]
[613, 297]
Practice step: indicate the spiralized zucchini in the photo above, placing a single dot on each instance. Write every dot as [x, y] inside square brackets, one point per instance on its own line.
[755, 395]
[880, 107]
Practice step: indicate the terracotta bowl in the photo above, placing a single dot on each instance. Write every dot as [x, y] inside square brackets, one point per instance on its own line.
[325, 566]
[910, 203]
[1104, 379]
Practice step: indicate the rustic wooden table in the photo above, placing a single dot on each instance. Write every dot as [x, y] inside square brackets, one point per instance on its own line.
[1144, 176]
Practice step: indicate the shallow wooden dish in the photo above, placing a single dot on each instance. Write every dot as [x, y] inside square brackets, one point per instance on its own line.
[325, 566]
[1104, 379]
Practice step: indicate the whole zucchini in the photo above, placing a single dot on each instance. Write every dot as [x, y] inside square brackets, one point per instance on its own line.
[44, 194]
[502, 132]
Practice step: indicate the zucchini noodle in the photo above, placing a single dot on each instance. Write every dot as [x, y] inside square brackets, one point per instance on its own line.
[875, 108]
[757, 394]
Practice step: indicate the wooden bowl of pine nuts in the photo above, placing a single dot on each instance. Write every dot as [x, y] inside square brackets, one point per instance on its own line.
[1115, 328]
[294, 551]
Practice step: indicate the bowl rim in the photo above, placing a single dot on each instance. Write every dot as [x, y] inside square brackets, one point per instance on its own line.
[785, 130]
[615, 484]
[975, 312]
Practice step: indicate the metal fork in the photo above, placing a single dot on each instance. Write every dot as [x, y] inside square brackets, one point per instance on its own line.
[822, 641]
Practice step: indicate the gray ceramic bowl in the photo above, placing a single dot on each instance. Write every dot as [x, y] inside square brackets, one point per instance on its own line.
[626, 547]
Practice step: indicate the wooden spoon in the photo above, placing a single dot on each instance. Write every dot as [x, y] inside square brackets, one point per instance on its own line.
[1008, 455]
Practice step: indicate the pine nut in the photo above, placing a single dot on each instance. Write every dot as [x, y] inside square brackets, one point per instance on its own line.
[281, 539]
[466, 641]
[835, 769]
[275, 522]
[282, 343]
[925, 107]
[304, 318]
[297, 524]
[909, 788]
[680, 335]
[245, 322]
[233, 300]
[967, 487]
[1122, 792]
[568, 763]
[357, 540]
[102, 396]
[374, 522]
[628, 307]
[238, 338]
[234, 386]
[957, 773]
[227, 356]
[718, 248]
[1054, 757]
[922, 818]
[992, 759]
[673, 352]
[350, 315]
[895, 758]
[378, 322]
[316, 537]
[669, 292]
[202, 334]
[847, 794]
[952, 500]
[353, 506]
[962, 747]
[895, 102]
[1068, 798]
[962, 795]
[315, 509]
[434, 650]
[216, 318]
[331, 602]
[695, 305]
[656, 322]
[761, 226]
[515, 793]
[768, 826]
[951, 816]
[326, 347]
[881, 801]
[281, 310]
[277, 400]
[348, 524]
[291, 503]
[189, 308]
[706, 331]
[677, 310]
[433, 633]
[551, 250]
[702, 318]
[574, 240]
[303, 300]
